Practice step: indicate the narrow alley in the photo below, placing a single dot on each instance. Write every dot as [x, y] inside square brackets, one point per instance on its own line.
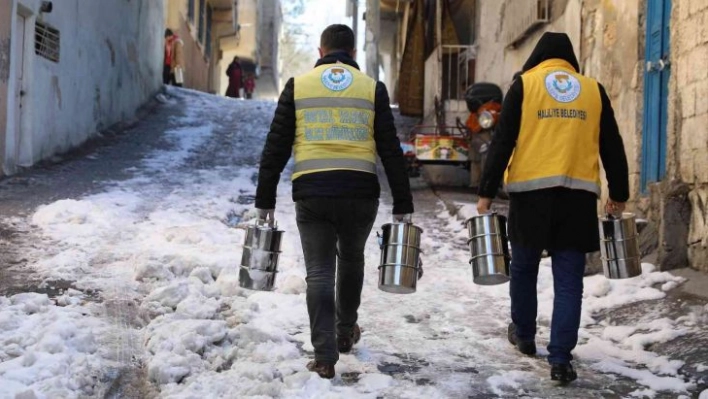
[122, 282]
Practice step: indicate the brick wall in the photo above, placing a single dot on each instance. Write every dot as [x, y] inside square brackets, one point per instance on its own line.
[688, 118]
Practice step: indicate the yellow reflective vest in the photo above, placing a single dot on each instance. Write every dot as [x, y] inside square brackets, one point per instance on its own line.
[334, 109]
[559, 137]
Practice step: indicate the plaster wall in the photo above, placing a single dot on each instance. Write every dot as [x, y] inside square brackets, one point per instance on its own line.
[110, 63]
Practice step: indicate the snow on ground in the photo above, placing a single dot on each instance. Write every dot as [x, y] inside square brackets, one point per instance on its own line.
[166, 269]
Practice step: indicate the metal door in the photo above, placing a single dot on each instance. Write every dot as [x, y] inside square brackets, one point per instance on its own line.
[656, 79]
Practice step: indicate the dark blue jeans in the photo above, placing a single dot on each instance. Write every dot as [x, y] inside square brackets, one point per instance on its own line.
[333, 232]
[568, 269]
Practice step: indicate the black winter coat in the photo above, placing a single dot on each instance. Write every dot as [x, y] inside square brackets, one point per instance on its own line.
[555, 218]
[338, 183]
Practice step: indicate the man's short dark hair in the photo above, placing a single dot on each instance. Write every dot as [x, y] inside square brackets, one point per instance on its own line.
[337, 37]
[168, 32]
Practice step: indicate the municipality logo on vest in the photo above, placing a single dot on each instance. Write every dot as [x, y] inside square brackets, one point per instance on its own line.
[337, 78]
[563, 86]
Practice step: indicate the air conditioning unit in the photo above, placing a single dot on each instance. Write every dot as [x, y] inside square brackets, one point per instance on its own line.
[523, 17]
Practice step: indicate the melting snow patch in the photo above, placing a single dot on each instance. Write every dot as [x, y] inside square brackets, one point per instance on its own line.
[511, 379]
[159, 239]
[643, 393]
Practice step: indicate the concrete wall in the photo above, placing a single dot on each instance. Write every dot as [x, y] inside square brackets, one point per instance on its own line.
[110, 63]
[269, 25]
[687, 143]
[5, 59]
[495, 62]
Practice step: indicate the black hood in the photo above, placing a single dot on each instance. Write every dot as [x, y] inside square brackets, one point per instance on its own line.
[552, 45]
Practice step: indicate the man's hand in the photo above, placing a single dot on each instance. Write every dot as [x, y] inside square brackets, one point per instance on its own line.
[266, 215]
[484, 205]
[614, 208]
[420, 268]
[403, 218]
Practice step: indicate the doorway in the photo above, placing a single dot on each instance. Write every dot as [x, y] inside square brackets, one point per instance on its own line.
[17, 151]
[656, 82]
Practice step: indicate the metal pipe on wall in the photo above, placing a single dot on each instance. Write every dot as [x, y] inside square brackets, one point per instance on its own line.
[373, 29]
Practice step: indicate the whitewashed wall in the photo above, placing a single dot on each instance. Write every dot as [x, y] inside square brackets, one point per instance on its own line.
[110, 63]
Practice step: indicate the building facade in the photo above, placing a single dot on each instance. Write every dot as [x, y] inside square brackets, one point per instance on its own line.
[650, 55]
[71, 68]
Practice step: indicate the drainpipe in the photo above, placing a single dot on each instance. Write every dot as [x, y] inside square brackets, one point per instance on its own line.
[355, 19]
[373, 23]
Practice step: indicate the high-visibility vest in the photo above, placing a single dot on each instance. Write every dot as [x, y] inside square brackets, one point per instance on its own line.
[334, 109]
[559, 137]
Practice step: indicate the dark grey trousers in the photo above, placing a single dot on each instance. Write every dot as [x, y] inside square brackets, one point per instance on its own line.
[333, 232]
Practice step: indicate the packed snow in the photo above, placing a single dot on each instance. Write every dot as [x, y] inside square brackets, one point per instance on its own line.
[165, 265]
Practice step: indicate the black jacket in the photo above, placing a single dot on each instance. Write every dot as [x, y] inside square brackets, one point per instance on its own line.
[554, 218]
[338, 183]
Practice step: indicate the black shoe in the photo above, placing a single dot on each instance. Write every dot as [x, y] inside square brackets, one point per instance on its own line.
[322, 369]
[563, 373]
[525, 347]
[345, 343]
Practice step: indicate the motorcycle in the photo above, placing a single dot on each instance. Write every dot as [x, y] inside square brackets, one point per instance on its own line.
[484, 101]
[412, 163]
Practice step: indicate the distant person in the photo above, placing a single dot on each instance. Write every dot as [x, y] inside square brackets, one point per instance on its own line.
[249, 85]
[235, 74]
[173, 70]
[558, 124]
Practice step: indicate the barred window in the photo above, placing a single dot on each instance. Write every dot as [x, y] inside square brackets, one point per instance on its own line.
[46, 41]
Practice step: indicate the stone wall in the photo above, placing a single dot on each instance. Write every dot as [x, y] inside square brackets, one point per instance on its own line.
[595, 28]
[496, 62]
[611, 52]
[687, 152]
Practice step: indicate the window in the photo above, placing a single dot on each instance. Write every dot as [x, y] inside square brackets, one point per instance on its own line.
[202, 20]
[190, 11]
[46, 41]
[208, 30]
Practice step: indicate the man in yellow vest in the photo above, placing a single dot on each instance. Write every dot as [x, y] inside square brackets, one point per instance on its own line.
[555, 126]
[335, 120]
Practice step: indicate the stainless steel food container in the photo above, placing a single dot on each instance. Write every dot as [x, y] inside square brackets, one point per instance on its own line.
[619, 246]
[400, 254]
[259, 261]
[489, 248]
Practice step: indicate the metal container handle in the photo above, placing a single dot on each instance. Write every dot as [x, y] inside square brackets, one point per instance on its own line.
[379, 238]
[262, 222]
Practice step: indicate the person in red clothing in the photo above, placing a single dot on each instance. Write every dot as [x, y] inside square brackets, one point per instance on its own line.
[235, 74]
[249, 85]
[173, 64]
